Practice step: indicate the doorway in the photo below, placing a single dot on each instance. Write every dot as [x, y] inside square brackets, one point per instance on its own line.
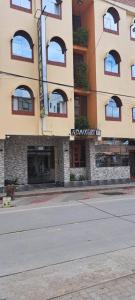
[41, 164]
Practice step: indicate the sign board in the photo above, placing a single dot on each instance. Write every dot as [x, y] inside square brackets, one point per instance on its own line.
[85, 132]
[42, 63]
[6, 202]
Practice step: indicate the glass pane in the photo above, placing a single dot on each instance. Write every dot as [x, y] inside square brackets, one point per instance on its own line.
[55, 53]
[112, 110]
[133, 71]
[110, 64]
[22, 3]
[57, 104]
[133, 111]
[21, 47]
[109, 22]
[51, 7]
[21, 92]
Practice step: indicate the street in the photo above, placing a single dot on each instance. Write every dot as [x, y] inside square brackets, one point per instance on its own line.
[69, 248]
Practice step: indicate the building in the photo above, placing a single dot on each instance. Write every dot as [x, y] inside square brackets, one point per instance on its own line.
[67, 91]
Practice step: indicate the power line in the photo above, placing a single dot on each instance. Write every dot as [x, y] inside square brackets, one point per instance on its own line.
[66, 85]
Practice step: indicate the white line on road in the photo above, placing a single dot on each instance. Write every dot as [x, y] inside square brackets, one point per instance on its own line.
[16, 210]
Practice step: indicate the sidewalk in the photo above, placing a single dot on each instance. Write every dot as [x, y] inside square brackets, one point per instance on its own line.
[64, 190]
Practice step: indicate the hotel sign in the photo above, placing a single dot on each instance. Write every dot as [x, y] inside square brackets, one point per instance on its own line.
[85, 132]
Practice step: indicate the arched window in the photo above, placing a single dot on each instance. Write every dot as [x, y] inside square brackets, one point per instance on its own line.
[132, 31]
[57, 52]
[25, 5]
[133, 71]
[23, 101]
[52, 8]
[58, 103]
[113, 109]
[112, 63]
[111, 20]
[22, 46]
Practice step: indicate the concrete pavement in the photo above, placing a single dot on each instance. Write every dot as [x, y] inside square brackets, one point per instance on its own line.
[71, 249]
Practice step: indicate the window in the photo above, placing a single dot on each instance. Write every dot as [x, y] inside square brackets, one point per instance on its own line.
[133, 114]
[25, 5]
[112, 63]
[113, 109]
[111, 155]
[58, 104]
[132, 31]
[111, 21]
[23, 101]
[133, 71]
[22, 46]
[80, 106]
[57, 52]
[77, 154]
[52, 8]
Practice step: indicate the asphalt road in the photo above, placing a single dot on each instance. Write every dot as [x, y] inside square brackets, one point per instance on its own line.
[69, 250]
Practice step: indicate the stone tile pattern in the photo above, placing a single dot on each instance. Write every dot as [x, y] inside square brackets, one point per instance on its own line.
[108, 173]
[16, 157]
[1, 163]
[78, 172]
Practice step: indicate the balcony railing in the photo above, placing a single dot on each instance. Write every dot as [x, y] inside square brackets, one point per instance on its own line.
[80, 37]
[80, 76]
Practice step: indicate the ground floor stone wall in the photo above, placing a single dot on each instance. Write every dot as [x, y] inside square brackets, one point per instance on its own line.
[78, 172]
[16, 165]
[110, 173]
[14, 161]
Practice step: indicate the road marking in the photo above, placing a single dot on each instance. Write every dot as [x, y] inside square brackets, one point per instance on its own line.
[38, 208]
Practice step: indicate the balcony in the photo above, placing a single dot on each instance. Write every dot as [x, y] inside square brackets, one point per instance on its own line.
[80, 37]
[81, 76]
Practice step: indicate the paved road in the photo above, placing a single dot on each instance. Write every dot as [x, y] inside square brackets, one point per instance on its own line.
[74, 249]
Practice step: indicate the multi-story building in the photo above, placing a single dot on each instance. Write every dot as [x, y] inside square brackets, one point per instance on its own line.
[67, 93]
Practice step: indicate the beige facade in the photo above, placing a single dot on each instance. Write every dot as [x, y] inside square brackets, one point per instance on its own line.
[26, 73]
[39, 145]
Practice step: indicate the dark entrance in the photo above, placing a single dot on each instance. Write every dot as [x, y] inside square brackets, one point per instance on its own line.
[132, 163]
[41, 165]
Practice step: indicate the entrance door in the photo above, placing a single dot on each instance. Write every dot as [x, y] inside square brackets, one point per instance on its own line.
[132, 163]
[41, 165]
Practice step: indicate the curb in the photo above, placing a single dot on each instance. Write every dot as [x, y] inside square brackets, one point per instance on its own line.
[113, 187]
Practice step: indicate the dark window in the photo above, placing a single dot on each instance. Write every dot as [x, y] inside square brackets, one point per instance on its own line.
[133, 114]
[58, 104]
[77, 154]
[132, 31]
[76, 22]
[111, 20]
[112, 63]
[80, 106]
[52, 7]
[22, 4]
[57, 51]
[23, 101]
[113, 109]
[111, 156]
[22, 46]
